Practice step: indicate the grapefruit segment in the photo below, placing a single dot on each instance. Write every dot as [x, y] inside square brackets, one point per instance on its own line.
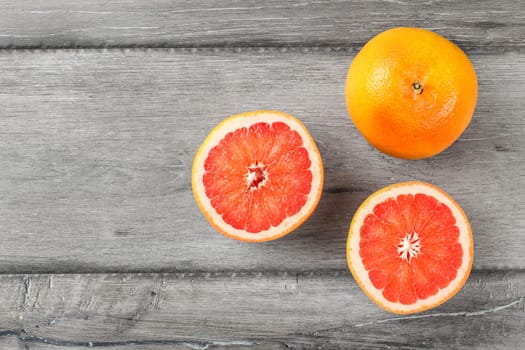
[257, 176]
[410, 247]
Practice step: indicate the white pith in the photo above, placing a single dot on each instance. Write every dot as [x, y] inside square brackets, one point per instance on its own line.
[246, 120]
[409, 246]
[361, 274]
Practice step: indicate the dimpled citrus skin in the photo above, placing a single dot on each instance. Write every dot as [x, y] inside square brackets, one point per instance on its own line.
[411, 93]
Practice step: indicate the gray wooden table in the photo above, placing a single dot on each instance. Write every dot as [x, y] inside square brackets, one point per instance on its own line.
[102, 107]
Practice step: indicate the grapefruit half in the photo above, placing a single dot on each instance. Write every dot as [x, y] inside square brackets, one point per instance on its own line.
[410, 247]
[257, 176]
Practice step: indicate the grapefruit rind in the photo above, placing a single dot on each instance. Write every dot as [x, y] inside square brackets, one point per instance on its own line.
[378, 104]
[359, 272]
[247, 119]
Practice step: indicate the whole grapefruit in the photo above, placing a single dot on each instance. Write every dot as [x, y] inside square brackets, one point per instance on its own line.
[411, 92]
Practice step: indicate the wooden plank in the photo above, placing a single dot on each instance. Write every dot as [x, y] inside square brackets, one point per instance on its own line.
[12, 343]
[268, 310]
[15, 344]
[96, 152]
[478, 26]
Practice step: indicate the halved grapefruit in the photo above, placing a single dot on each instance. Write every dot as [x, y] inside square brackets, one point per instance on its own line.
[257, 176]
[410, 247]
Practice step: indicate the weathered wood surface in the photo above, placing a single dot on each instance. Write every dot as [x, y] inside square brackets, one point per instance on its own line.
[95, 153]
[97, 149]
[249, 310]
[477, 25]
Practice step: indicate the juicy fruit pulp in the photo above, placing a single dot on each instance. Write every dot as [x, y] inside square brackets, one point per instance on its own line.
[258, 175]
[419, 246]
[410, 247]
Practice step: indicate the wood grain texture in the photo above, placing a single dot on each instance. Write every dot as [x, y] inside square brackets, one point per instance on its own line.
[486, 26]
[249, 310]
[96, 148]
[96, 152]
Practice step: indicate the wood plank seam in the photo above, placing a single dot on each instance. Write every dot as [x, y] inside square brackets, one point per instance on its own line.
[192, 50]
[468, 47]
[223, 274]
[304, 49]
